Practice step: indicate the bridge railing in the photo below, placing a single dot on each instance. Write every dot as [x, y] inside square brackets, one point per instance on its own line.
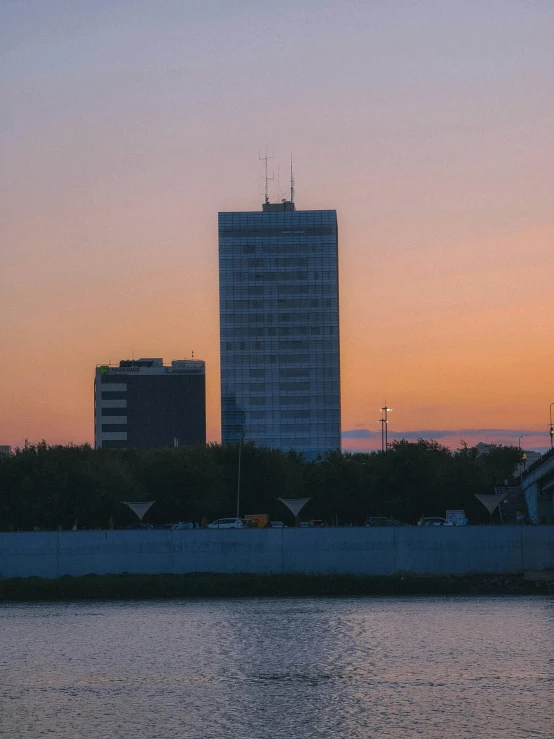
[537, 463]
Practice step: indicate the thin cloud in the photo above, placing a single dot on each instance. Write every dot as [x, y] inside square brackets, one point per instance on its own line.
[485, 434]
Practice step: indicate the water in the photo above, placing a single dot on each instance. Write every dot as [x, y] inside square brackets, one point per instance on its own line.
[272, 668]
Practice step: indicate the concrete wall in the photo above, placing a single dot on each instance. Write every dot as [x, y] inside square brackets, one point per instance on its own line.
[372, 551]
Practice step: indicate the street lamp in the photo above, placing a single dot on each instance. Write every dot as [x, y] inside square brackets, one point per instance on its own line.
[521, 457]
[551, 429]
[384, 429]
[238, 475]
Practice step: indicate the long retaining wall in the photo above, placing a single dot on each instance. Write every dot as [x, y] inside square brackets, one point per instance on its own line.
[367, 551]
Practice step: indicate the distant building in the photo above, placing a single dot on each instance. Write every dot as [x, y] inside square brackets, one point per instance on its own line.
[279, 328]
[483, 448]
[5, 450]
[144, 404]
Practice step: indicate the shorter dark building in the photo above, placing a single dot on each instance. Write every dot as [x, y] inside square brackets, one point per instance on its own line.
[143, 403]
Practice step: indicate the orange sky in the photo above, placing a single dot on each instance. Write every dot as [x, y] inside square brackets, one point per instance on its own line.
[428, 131]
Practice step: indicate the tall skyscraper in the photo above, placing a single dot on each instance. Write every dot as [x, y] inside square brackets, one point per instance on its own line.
[143, 403]
[279, 328]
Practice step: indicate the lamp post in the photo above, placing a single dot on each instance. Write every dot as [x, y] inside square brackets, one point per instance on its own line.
[384, 429]
[520, 458]
[238, 476]
[551, 429]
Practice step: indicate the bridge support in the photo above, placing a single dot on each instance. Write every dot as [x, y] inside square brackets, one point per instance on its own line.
[532, 494]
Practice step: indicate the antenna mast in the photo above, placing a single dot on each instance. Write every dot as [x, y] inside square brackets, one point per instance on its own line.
[291, 181]
[265, 159]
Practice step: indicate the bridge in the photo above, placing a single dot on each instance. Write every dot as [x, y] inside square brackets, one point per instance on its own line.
[537, 484]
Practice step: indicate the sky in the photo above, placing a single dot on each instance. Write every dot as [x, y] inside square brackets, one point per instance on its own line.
[128, 124]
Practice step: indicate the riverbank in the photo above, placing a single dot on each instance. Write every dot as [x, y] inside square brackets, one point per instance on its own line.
[209, 585]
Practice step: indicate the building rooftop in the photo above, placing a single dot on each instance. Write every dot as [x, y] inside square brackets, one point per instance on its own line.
[278, 207]
[153, 366]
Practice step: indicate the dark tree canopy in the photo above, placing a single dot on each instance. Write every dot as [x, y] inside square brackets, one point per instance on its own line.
[56, 486]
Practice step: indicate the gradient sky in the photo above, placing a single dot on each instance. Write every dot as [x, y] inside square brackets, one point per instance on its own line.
[428, 125]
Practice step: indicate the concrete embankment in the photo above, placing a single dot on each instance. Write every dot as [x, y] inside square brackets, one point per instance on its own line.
[442, 551]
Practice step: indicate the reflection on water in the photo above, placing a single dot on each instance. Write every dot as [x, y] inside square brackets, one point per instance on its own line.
[272, 668]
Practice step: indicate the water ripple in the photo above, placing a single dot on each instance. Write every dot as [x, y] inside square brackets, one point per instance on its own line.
[271, 668]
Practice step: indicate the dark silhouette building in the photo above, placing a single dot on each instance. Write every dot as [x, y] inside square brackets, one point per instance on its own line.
[143, 404]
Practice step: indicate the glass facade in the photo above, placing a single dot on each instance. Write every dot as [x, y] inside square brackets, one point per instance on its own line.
[279, 328]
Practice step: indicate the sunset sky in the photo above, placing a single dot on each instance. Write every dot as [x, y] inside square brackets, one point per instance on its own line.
[428, 126]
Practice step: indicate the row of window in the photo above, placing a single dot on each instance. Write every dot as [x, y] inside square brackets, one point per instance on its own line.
[230, 248]
[283, 372]
[228, 420]
[300, 317]
[313, 281]
[242, 304]
[329, 421]
[318, 391]
[313, 346]
[114, 427]
[273, 331]
[271, 276]
[255, 231]
[316, 276]
[277, 263]
[261, 430]
[282, 400]
[293, 216]
[326, 370]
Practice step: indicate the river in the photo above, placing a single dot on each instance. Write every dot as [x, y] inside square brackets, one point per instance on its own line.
[278, 668]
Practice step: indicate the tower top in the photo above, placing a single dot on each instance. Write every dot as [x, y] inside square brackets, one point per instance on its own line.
[278, 207]
[284, 204]
[265, 159]
[291, 182]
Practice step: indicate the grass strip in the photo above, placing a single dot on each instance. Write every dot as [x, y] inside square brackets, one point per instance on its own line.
[211, 585]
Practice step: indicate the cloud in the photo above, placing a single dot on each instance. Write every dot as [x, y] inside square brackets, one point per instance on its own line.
[484, 434]
[364, 440]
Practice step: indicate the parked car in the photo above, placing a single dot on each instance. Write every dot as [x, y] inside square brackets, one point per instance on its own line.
[228, 523]
[276, 525]
[433, 521]
[381, 521]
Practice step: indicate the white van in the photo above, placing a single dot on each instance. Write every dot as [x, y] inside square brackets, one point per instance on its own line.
[228, 523]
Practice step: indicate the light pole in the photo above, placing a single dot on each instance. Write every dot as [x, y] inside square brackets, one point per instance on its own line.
[551, 429]
[238, 476]
[521, 457]
[384, 429]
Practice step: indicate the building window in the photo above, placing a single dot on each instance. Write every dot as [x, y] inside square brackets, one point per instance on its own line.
[113, 396]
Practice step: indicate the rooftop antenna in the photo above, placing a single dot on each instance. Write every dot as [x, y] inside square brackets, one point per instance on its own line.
[267, 179]
[291, 181]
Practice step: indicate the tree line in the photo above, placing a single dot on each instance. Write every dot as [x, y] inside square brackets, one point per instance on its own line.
[54, 486]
